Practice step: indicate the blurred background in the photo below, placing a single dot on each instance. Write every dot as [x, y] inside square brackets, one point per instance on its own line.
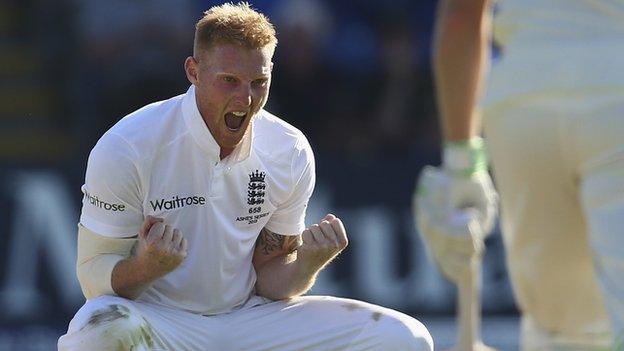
[355, 76]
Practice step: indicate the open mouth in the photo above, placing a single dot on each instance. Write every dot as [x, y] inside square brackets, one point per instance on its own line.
[234, 120]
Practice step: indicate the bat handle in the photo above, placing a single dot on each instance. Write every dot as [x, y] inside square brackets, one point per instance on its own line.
[469, 303]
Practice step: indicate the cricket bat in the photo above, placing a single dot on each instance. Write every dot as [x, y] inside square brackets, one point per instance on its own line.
[469, 292]
[469, 309]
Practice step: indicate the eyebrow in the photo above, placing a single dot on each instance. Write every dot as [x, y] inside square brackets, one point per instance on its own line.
[260, 76]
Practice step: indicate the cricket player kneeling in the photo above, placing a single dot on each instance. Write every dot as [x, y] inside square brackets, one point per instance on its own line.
[192, 235]
[108, 322]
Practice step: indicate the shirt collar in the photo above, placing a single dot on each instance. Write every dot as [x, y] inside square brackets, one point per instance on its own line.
[200, 132]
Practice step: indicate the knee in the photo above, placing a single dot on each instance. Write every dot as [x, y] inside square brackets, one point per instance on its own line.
[406, 334]
[118, 323]
[114, 327]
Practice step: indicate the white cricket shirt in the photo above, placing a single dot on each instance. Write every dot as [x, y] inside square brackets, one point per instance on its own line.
[556, 47]
[163, 161]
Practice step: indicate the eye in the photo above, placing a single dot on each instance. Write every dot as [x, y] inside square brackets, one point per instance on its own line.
[262, 82]
[229, 79]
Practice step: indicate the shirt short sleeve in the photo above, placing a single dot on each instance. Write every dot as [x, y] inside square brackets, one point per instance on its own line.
[289, 217]
[112, 201]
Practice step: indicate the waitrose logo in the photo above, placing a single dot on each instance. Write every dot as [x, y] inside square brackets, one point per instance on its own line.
[177, 202]
[95, 201]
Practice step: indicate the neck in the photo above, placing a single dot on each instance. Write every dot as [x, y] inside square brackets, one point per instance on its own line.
[225, 152]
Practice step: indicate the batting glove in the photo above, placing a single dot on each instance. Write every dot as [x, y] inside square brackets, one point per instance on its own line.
[455, 207]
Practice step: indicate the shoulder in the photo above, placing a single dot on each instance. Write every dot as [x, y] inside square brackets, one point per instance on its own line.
[147, 128]
[277, 139]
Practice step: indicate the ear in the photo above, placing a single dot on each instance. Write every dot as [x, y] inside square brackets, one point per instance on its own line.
[191, 67]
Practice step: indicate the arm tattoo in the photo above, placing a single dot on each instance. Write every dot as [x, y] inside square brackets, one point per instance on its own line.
[269, 241]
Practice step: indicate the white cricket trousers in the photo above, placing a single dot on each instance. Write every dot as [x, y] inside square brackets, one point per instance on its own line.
[303, 323]
[558, 162]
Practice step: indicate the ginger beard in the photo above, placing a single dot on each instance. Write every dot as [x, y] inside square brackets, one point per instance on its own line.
[231, 86]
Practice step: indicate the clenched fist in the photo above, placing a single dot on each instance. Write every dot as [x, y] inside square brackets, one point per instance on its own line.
[322, 242]
[160, 247]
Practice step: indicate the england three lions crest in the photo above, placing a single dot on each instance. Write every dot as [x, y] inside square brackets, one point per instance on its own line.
[256, 188]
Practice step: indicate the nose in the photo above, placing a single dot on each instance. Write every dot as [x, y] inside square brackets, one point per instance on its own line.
[243, 95]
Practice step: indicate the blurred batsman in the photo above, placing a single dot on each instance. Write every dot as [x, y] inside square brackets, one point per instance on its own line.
[192, 233]
[553, 118]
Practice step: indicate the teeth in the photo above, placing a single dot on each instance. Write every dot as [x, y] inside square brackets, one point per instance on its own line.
[239, 114]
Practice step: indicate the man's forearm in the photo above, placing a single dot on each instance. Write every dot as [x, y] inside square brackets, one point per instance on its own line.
[129, 278]
[285, 277]
[461, 58]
